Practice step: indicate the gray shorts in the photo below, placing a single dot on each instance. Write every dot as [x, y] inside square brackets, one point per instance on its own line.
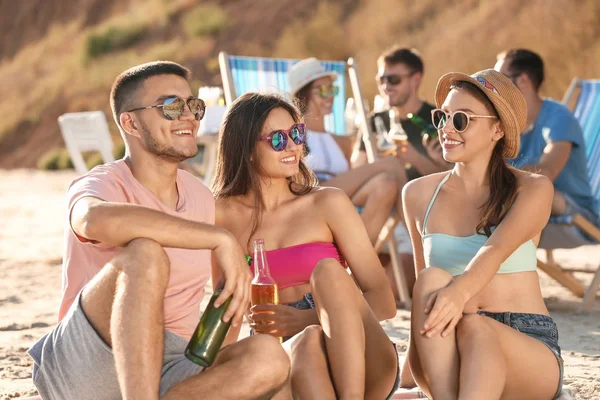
[73, 362]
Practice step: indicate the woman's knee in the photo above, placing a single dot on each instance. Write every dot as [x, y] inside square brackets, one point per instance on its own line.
[328, 271]
[309, 342]
[384, 186]
[430, 279]
[470, 328]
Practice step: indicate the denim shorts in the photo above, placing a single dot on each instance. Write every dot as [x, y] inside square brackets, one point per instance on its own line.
[537, 326]
[308, 303]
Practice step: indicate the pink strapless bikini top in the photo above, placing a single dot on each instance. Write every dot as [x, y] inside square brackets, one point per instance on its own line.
[291, 266]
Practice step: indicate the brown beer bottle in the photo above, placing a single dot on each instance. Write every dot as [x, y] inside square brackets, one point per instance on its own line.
[264, 287]
[209, 334]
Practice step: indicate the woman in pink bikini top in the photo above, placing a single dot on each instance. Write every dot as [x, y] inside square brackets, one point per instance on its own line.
[265, 190]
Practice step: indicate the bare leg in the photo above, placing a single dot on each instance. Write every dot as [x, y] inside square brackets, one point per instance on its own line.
[253, 368]
[310, 378]
[133, 328]
[377, 197]
[499, 362]
[362, 360]
[351, 181]
[434, 361]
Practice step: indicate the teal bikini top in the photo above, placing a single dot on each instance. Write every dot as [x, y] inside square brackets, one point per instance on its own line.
[454, 253]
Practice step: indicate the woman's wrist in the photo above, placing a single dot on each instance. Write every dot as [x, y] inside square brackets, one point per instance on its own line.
[311, 317]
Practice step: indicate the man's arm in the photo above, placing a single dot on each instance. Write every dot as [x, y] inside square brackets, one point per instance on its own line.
[119, 223]
[554, 159]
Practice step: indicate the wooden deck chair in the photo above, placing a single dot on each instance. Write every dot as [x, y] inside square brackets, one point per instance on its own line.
[86, 131]
[587, 112]
[245, 74]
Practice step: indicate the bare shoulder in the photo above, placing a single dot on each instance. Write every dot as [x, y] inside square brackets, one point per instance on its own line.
[220, 210]
[328, 197]
[224, 207]
[537, 185]
[422, 188]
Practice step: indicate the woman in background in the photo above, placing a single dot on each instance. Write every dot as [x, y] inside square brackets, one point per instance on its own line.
[375, 187]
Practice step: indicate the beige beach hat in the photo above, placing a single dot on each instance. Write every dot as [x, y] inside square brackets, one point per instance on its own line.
[506, 97]
[306, 71]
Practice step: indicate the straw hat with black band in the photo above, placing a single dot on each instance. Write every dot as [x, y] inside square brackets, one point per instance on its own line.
[504, 95]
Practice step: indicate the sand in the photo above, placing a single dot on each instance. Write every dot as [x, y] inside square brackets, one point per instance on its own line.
[31, 242]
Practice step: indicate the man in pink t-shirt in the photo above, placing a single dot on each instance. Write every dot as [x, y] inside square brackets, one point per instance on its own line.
[139, 238]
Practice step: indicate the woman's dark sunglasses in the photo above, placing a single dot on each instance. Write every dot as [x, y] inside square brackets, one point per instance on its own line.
[173, 107]
[460, 119]
[278, 139]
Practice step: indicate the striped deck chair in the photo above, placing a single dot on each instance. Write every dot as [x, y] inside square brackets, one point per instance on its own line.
[245, 74]
[587, 112]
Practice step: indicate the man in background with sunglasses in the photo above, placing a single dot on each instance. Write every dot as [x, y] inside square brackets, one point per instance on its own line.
[551, 145]
[400, 71]
[139, 240]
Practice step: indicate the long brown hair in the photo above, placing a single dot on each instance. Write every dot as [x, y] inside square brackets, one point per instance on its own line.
[237, 159]
[502, 178]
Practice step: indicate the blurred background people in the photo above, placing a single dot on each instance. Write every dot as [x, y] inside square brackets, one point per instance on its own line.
[376, 187]
[552, 144]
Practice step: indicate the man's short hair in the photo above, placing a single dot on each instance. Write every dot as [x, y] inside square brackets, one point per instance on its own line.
[402, 55]
[522, 61]
[123, 94]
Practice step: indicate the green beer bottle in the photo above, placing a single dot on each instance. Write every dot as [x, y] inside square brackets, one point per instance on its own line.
[426, 128]
[209, 334]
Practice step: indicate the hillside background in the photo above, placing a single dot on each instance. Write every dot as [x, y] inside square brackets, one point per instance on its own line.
[60, 56]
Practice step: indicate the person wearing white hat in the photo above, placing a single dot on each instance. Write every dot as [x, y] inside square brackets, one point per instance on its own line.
[374, 187]
[479, 325]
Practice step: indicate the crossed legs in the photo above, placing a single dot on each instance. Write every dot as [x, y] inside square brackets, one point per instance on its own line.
[376, 188]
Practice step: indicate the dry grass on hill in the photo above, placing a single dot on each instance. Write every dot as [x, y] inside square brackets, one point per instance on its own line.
[46, 68]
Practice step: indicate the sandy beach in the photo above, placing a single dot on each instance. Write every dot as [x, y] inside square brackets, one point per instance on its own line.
[31, 242]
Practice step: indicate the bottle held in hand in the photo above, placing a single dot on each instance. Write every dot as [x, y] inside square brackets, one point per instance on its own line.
[397, 132]
[264, 287]
[426, 128]
[209, 334]
[386, 146]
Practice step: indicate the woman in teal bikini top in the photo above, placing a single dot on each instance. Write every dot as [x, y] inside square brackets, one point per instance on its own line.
[479, 326]
[454, 253]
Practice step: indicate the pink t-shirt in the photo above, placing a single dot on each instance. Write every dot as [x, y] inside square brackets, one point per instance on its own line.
[190, 269]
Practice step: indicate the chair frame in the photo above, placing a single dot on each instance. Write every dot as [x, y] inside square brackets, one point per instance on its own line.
[96, 139]
[564, 275]
[386, 235]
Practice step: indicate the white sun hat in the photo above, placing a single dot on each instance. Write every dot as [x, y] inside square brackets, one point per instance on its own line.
[306, 71]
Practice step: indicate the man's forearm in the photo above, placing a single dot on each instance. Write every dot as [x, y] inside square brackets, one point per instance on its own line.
[117, 224]
[426, 166]
[541, 170]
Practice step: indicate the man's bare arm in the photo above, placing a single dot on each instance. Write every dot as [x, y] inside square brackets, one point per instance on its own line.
[119, 223]
[552, 162]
